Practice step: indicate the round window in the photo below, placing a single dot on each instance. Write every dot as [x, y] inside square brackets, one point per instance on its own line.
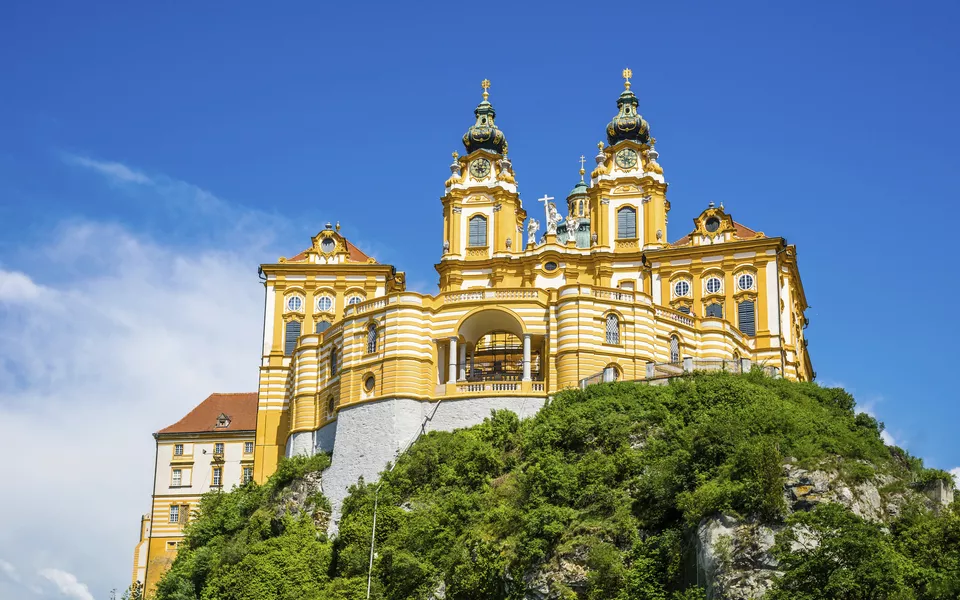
[713, 285]
[681, 288]
[328, 245]
[712, 224]
[745, 281]
[294, 303]
[324, 303]
[550, 266]
[369, 383]
[355, 300]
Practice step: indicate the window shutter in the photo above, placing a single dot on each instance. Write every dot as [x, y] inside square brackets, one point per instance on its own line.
[715, 310]
[684, 309]
[626, 223]
[322, 326]
[746, 318]
[292, 333]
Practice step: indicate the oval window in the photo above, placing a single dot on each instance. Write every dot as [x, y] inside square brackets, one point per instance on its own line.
[745, 282]
[369, 383]
[712, 224]
[328, 245]
[324, 303]
[713, 285]
[294, 303]
[681, 288]
[550, 266]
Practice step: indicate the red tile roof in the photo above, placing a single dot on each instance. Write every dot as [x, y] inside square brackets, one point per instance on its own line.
[354, 254]
[741, 232]
[240, 408]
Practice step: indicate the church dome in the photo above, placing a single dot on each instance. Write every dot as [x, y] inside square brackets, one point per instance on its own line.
[484, 133]
[578, 190]
[628, 124]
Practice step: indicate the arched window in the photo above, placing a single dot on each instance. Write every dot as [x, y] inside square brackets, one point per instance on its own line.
[746, 317]
[715, 310]
[674, 349]
[355, 300]
[322, 326]
[613, 329]
[334, 361]
[478, 231]
[371, 338]
[627, 223]
[580, 210]
[292, 332]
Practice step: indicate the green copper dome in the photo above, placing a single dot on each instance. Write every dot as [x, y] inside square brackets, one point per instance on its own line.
[484, 133]
[628, 124]
[578, 190]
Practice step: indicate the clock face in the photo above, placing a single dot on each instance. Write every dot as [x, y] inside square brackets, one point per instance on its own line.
[480, 168]
[626, 159]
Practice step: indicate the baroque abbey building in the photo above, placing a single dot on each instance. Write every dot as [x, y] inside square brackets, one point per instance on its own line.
[355, 365]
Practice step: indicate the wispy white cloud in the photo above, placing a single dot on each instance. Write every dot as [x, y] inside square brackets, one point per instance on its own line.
[956, 477]
[67, 583]
[10, 571]
[887, 438]
[118, 172]
[17, 287]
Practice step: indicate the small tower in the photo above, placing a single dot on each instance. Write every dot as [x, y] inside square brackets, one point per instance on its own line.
[482, 213]
[628, 194]
[578, 213]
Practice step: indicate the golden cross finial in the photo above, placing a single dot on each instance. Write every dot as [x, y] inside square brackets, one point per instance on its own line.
[456, 155]
[485, 84]
[583, 160]
[627, 74]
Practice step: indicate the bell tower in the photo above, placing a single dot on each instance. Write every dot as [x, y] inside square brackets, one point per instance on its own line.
[482, 213]
[628, 204]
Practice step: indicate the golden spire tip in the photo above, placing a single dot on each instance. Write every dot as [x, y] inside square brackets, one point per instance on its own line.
[627, 74]
[485, 84]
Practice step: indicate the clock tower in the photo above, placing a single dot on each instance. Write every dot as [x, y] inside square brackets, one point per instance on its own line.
[482, 214]
[628, 192]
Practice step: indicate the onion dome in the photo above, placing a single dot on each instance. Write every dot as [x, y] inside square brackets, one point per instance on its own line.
[628, 124]
[484, 133]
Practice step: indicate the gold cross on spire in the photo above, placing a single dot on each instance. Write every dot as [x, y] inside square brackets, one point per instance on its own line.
[485, 84]
[627, 74]
[583, 160]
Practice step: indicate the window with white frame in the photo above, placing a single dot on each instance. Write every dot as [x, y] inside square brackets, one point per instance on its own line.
[371, 338]
[217, 477]
[627, 223]
[613, 329]
[478, 231]
[176, 478]
[248, 447]
[714, 285]
[294, 303]
[247, 474]
[745, 282]
[174, 513]
[178, 449]
[218, 448]
[681, 288]
[324, 304]
[355, 300]
[674, 349]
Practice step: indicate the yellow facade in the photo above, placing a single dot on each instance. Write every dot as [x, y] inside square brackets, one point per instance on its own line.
[601, 290]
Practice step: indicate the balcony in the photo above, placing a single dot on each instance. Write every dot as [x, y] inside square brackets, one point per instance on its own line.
[658, 373]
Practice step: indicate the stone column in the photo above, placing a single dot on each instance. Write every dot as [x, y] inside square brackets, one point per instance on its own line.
[452, 354]
[463, 361]
[526, 357]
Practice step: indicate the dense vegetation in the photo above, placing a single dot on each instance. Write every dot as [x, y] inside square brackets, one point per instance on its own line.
[597, 495]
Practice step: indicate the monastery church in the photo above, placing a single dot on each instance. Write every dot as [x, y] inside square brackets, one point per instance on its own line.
[355, 365]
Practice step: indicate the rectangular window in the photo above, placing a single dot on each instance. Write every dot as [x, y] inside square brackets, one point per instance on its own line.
[627, 223]
[248, 447]
[176, 480]
[715, 310]
[174, 513]
[247, 474]
[217, 476]
[218, 448]
[172, 546]
[478, 231]
[292, 333]
[178, 449]
[746, 320]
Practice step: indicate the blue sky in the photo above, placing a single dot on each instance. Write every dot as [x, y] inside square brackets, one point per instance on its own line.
[152, 155]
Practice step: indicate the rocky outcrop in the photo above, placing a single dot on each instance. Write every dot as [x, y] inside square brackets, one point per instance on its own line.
[734, 555]
[303, 495]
